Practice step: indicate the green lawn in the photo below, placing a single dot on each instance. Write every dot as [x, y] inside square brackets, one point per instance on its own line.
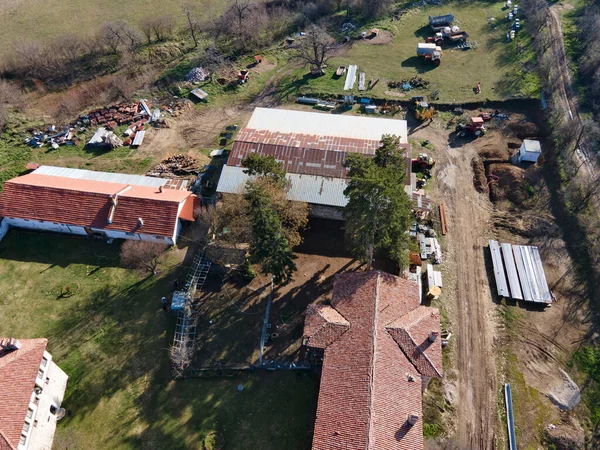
[112, 339]
[503, 72]
[39, 21]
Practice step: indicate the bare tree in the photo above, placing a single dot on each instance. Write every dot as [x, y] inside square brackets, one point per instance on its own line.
[160, 26]
[315, 48]
[193, 22]
[146, 28]
[69, 46]
[142, 255]
[111, 37]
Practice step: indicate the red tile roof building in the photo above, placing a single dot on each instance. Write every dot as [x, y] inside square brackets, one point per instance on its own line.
[379, 346]
[25, 367]
[113, 209]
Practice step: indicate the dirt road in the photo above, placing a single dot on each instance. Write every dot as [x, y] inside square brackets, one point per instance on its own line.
[471, 307]
[564, 99]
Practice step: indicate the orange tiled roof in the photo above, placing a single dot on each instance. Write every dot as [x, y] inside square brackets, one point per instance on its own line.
[366, 394]
[88, 203]
[18, 371]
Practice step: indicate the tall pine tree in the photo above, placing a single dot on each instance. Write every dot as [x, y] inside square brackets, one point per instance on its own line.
[378, 213]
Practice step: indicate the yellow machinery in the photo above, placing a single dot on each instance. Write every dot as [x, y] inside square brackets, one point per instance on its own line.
[423, 111]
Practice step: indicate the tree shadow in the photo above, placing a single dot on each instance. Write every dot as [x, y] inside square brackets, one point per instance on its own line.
[58, 249]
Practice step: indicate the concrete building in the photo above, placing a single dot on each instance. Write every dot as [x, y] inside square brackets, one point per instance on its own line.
[83, 202]
[32, 388]
[312, 148]
[380, 348]
[530, 151]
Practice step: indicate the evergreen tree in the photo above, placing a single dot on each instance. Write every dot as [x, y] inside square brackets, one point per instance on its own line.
[378, 213]
[268, 245]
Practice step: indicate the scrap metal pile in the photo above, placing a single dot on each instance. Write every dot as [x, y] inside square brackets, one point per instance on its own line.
[53, 137]
[196, 75]
[415, 82]
[175, 166]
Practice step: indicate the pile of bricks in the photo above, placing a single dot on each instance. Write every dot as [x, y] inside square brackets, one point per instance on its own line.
[113, 116]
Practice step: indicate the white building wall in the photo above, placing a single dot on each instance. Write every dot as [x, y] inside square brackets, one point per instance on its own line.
[53, 392]
[41, 225]
[45, 226]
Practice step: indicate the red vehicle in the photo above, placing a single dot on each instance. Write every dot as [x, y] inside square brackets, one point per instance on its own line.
[474, 127]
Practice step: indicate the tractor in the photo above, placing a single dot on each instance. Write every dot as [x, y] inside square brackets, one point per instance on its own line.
[423, 110]
[474, 128]
[423, 162]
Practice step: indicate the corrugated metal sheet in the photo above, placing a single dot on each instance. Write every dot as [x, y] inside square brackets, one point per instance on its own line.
[80, 174]
[531, 273]
[511, 271]
[304, 188]
[501, 285]
[326, 124]
[350, 77]
[525, 285]
[139, 138]
[540, 275]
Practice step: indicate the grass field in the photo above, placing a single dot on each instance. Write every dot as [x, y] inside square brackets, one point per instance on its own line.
[499, 67]
[112, 339]
[41, 20]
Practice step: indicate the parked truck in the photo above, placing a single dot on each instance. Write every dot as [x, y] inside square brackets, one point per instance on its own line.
[430, 52]
[450, 35]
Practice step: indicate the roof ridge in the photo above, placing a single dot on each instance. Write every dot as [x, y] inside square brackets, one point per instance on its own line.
[23, 351]
[417, 348]
[5, 439]
[372, 361]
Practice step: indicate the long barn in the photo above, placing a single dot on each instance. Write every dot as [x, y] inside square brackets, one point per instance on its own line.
[312, 148]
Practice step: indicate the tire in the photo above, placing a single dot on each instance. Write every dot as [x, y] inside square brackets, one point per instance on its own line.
[439, 43]
[462, 133]
[477, 133]
[436, 62]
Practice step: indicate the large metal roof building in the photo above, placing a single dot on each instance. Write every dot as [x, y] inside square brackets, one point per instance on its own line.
[312, 148]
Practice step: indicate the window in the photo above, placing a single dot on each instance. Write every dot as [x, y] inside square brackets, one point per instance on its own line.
[44, 361]
[26, 427]
[53, 410]
[40, 374]
[26, 220]
[130, 234]
[22, 440]
[29, 413]
[159, 237]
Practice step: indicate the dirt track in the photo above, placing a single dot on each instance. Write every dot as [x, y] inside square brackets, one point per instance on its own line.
[470, 306]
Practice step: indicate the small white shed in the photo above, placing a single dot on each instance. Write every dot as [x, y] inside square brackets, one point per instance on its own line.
[530, 151]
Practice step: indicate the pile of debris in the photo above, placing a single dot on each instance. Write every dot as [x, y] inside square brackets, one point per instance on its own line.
[196, 75]
[53, 138]
[415, 82]
[113, 116]
[175, 166]
[105, 138]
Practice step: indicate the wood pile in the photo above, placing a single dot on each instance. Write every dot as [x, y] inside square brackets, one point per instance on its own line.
[175, 166]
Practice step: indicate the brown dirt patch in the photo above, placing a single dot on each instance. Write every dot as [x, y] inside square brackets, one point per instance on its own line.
[523, 129]
[479, 178]
[264, 66]
[510, 185]
[395, 94]
[384, 37]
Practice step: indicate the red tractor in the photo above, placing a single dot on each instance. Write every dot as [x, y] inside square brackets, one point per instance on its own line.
[474, 128]
[424, 161]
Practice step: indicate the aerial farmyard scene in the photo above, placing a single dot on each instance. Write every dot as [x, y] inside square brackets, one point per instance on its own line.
[299, 224]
